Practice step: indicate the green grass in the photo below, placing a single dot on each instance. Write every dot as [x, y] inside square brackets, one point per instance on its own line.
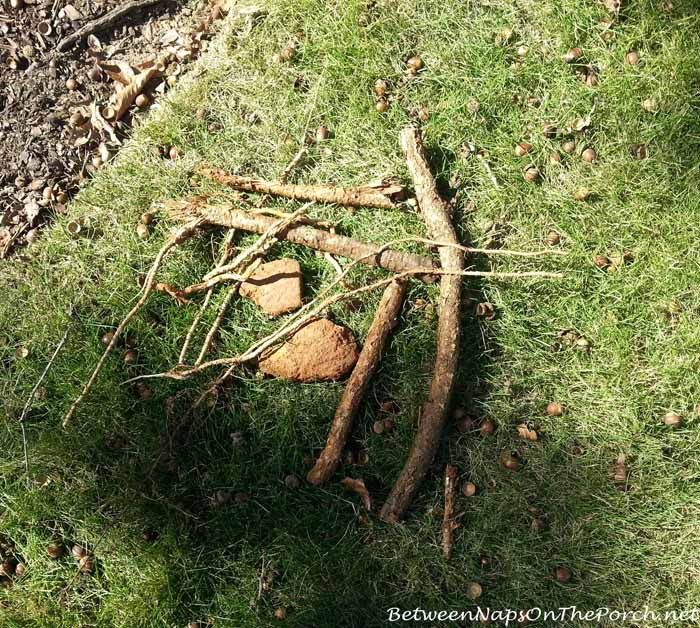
[121, 467]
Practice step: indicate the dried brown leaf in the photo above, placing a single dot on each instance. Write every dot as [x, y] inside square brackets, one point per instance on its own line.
[526, 433]
[119, 71]
[359, 487]
[126, 97]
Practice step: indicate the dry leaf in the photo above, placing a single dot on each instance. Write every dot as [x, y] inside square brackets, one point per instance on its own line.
[126, 97]
[525, 432]
[119, 71]
[72, 13]
[170, 37]
[359, 487]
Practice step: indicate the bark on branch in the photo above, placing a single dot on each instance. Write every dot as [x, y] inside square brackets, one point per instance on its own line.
[370, 254]
[437, 218]
[449, 524]
[380, 196]
[385, 320]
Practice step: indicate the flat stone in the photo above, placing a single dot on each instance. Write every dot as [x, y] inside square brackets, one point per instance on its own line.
[276, 286]
[319, 351]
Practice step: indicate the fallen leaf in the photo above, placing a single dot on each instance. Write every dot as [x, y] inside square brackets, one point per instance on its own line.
[170, 37]
[359, 487]
[126, 97]
[72, 13]
[119, 71]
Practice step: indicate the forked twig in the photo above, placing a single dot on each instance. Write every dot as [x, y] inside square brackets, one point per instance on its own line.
[177, 238]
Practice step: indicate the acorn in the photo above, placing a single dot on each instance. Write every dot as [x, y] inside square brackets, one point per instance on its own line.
[71, 84]
[632, 57]
[469, 489]
[554, 408]
[287, 53]
[147, 218]
[129, 356]
[573, 54]
[601, 261]
[562, 574]
[143, 231]
[78, 552]
[531, 174]
[142, 101]
[509, 461]
[86, 564]
[107, 338]
[280, 613]
[549, 130]
[388, 425]
[291, 481]
[415, 62]
[55, 550]
[382, 105]
[487, 427]
[522, 149]
[569, 146]
[173, 152]
[537, 525]
[322, 134]
[589, 155]
[76, 119]
[671, 419]
[381, 87]
[473, 590]
[581, 194]
[378, 427]
[20, 570]
[363, 458]
[522, 51]
[8, 566]
[390, 405]
[553, 238]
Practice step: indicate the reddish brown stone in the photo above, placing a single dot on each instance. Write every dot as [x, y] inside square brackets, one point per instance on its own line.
[319, 351]
[276, 286]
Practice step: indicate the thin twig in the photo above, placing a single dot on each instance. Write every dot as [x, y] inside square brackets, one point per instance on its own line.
[225, 255]
[28, 405]
[177, 238]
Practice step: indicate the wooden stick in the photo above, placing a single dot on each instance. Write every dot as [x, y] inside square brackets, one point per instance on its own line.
[436, 215]
[103, 22]
[370, 254]
[177, 238]
[385, 320]
[449, 524]
[379, 196]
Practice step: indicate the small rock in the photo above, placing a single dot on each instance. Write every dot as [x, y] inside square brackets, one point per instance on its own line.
[319, 351]
[276, 286]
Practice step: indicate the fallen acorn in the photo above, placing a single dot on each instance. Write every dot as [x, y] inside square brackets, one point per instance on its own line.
[107, 338]
[582, 194]
[569, 146]
[553, 238]
[573, 54]
[322, 134]
[531, 174]
[602, 261]
[537, 525]
[174, 152]
[589, 155]
[291, 481]
[380, 87]
[78, 552]
[469, 489]
[671, 419]
[378, 427]
[632, 57]
[562, 574]
[522, 149]
[554, 408]
[86, 564]
[382, 105]
[129, 356]
[509, 461]
[20, 570]
[487, 427]
[415, 62]
[280, 613]
[473, 590]
[388, 425]
[526, 432]
[147, 218]
[142, 101]
[390, 405]
[55, 550]
[71, 84]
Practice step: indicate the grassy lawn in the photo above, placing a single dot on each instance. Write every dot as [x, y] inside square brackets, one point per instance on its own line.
[125, 467]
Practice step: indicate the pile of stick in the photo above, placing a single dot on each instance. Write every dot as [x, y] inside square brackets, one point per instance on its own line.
[297, 228]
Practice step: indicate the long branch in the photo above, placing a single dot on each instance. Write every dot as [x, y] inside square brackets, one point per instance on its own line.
[436, 215]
